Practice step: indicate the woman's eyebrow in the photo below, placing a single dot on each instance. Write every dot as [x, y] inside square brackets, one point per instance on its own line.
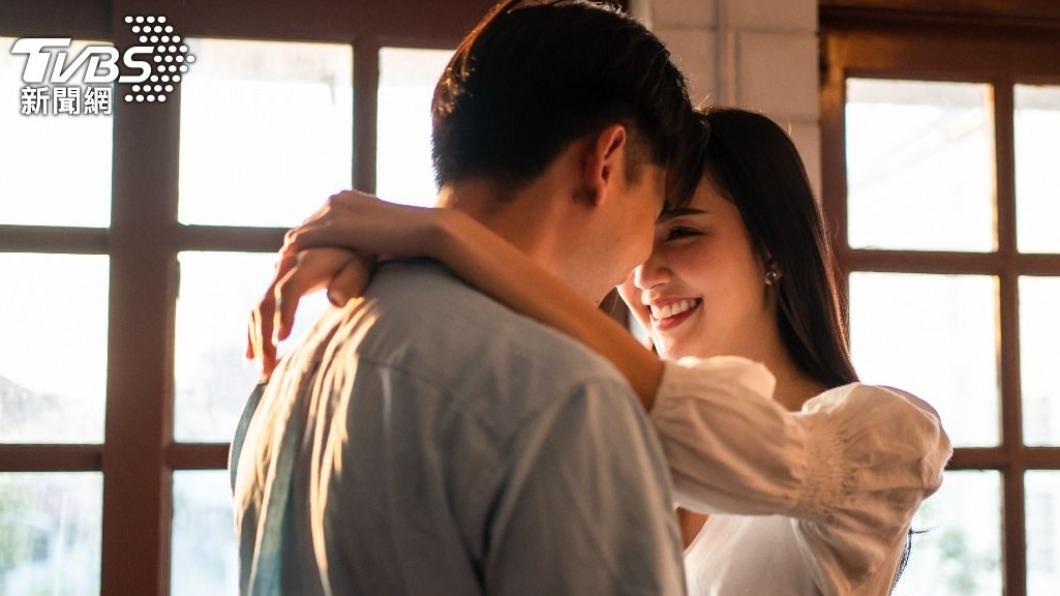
[678, 212]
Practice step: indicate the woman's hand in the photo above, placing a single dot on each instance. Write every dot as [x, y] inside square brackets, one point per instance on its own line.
[335, 248]
[368, 225]
[298, 274]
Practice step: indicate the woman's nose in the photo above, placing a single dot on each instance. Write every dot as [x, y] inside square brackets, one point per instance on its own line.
[651, 273]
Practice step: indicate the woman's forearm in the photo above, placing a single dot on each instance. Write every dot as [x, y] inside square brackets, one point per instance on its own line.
[489, 263]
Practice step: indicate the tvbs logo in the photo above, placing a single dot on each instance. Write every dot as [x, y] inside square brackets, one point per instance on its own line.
[152, 69]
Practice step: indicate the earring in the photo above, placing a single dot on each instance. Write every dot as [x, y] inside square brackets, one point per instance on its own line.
[772, 277]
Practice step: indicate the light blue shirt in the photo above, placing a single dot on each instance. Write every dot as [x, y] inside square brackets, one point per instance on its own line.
[427, 440]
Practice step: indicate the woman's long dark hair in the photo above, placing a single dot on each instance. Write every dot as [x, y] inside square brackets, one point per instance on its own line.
[758, 169]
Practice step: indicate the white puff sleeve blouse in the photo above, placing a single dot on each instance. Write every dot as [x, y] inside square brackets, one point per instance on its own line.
[850, 467]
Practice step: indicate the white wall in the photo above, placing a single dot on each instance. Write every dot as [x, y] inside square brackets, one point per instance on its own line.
[755, 54]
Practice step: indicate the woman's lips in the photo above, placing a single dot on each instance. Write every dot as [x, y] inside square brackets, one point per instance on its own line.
[667, 323]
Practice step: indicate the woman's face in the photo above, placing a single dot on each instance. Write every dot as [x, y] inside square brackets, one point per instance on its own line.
[702, 292]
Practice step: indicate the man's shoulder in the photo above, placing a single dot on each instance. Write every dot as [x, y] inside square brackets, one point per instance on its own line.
[425, 322]
[426, 301]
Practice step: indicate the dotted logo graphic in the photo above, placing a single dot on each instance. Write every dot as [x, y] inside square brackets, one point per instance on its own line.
[170, 62]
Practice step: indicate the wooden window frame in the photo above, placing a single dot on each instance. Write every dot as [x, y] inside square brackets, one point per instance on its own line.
[138, 453]
[945, 40]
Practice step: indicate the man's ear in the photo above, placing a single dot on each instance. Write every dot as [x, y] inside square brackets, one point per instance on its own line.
[604, 159]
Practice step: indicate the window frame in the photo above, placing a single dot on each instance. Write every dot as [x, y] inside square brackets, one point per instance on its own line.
[940, 40]
[138, 453]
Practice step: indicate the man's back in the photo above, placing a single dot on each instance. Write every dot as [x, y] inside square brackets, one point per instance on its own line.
[427, 440]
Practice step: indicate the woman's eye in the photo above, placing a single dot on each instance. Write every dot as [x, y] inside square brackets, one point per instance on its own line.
[676, 233]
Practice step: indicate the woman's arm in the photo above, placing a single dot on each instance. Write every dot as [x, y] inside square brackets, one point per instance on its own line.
[477, 255]
[489, 263]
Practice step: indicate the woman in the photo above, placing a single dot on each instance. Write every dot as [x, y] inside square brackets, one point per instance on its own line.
[803, 480]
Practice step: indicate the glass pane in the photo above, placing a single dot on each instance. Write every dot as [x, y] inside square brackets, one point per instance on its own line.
[53, 348]
[959, 548]
[935, 336]
[1037, 177]
[266, 131]
[920, 165]
[55, 170]
[404, 172]
[1042, 490]
[50, 533]
[1039, 347]
[213, 379]
[205, 559]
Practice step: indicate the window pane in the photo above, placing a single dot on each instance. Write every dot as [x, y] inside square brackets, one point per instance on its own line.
[53, 348]
[1037, 177]
[1043, 532]
[50, 533]
[266, 131]
[935, 336]
[959, 551]
[1039, 347]
[920, 165]
[213, 379]
[404, 173]
[55, 170]
[205, 558]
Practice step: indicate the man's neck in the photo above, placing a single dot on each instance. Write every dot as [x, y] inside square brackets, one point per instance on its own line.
[539, 220]
[519, 219]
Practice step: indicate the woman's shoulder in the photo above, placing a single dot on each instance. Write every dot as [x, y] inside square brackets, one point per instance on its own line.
[694, 377]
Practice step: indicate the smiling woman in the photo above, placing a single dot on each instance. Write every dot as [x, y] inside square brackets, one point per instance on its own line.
[753, 218]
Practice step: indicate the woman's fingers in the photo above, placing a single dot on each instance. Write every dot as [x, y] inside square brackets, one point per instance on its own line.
[260, 343]
[249, 352]
[351, 281]
[267, 347]
[259, 340]
[319, 234]
[350, 198]
[313, 269]
[350, 234]
[333, 202]
[300, 271]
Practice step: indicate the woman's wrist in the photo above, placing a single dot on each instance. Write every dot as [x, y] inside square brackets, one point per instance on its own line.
[446, 230]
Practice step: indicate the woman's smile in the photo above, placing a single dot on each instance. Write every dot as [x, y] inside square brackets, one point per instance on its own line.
[668, 314]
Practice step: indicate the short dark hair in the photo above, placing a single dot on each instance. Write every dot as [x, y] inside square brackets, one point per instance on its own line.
[532, 77]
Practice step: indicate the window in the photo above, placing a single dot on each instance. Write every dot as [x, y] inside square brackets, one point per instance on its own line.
[940, 140]
[265, 131]
[138, 244]
[26, 174]
[49, 532]
[404, 172]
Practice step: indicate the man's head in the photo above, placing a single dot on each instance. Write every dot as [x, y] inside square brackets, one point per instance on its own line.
[578, 108]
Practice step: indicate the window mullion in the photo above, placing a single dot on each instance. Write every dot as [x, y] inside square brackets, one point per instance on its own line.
[136, 493]
[1014, 554]
[365, 111]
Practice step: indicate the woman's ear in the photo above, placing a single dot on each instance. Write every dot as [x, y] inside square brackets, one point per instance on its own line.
[604, 159]
[771, 269]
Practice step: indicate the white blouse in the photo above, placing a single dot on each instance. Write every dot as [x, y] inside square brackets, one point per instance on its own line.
[817, 501]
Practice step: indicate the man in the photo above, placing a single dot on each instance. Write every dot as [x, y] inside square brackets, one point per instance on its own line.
[425, 439]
